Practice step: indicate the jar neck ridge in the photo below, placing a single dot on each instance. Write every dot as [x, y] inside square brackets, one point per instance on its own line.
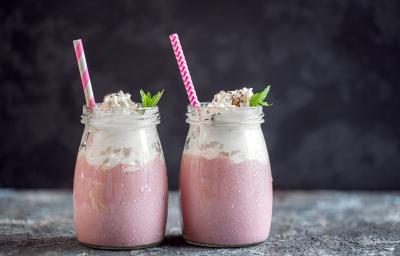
[127, 117]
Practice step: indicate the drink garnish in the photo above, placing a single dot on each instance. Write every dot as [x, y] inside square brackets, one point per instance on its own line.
[240, 98]
[258, 98]
[119, 100]
[148, 100]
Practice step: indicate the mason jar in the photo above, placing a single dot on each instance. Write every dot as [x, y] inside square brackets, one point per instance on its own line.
[225, 178]
[120, 186]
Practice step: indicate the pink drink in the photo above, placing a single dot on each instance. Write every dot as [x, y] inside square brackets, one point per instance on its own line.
[225, 203]
[120, 184]
[124, 206]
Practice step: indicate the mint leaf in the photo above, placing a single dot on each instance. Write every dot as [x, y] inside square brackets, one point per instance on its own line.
[144, 98]
[156, 98]
[258, 98]
[148, 100]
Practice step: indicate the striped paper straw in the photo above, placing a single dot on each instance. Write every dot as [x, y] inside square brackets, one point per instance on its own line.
[183, 68]
[83, 70]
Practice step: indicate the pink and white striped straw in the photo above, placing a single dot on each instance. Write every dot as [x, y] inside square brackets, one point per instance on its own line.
[84, 72]
[183, 68]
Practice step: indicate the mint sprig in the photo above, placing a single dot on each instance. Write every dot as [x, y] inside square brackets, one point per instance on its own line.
[148, 100]
[258, 98]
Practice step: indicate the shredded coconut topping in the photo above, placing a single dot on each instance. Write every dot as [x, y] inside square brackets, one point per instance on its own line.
[118, 100]
[236, 98]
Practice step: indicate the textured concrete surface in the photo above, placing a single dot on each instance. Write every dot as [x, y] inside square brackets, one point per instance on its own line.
[304, 223]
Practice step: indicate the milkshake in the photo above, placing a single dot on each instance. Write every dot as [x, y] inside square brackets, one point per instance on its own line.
[225, 176]
[120, 186]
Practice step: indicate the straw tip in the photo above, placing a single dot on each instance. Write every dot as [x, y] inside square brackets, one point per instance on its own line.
[76, 41]
[173, 35]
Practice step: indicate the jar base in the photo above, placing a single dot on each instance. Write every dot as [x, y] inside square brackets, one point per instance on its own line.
[221, 245]
[119, 248]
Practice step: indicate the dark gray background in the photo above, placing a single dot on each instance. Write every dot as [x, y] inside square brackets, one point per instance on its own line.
[333, 66]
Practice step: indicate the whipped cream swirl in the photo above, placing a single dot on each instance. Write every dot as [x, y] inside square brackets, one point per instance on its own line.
[236, 98]
[118, 100]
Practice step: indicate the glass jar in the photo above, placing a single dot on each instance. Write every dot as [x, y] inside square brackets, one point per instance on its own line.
[225, 178]
[120, 190]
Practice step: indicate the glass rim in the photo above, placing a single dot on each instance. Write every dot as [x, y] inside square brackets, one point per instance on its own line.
[137, 116]
[204, 105]
[85, 107]
[224, 116]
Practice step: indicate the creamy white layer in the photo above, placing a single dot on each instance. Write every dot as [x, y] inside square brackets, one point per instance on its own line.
[118, 100]
[236, 98]
[237, 143]
[107, 148]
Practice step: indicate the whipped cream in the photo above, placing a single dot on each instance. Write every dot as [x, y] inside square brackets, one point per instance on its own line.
[118, 100]
[115, 145]
[107, 148]
[236, 98]
[237, 143]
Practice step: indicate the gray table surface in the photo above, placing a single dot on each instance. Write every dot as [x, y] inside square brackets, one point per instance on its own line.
[304, 223]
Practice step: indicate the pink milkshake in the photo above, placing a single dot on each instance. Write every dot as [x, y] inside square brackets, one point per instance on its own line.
[124, 206]
[225, 175]
[120, 184]
[225, 203]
